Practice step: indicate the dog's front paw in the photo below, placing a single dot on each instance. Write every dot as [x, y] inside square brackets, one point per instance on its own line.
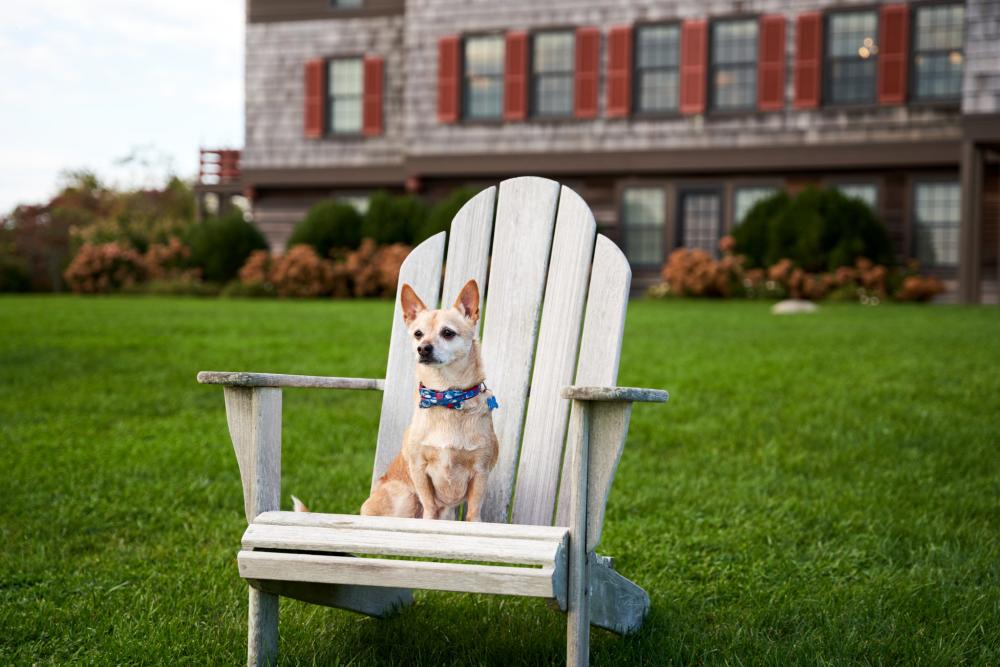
[431, 513]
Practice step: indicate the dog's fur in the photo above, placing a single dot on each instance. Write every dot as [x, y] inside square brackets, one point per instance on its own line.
[447, 454]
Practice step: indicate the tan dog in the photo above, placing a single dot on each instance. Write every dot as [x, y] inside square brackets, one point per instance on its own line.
[447, 453]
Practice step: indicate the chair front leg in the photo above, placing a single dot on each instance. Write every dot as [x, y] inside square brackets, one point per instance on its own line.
[262, 629]
[578, 607]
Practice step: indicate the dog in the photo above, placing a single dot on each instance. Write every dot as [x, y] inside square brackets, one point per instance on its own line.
[450, 446]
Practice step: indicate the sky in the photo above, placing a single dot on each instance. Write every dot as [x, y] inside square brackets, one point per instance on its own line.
[87, 84]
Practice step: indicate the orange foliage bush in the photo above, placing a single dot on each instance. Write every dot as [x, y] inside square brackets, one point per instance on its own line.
[103, 268]
[257, 269]
[374, 270]
[166, 261]
[919, 288]
[301, 272]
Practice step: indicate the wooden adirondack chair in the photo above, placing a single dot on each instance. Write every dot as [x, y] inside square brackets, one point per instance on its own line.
[550, 272]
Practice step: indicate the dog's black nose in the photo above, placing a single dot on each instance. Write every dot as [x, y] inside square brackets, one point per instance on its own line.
[425, 350]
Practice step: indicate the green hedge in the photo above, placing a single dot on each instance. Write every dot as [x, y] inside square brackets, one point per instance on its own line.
[818, 230]
[220, 246]
[329, 224]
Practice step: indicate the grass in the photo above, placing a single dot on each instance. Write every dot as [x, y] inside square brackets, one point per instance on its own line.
[819, 490]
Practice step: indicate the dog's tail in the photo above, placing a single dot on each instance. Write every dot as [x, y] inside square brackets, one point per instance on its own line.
[298, 505]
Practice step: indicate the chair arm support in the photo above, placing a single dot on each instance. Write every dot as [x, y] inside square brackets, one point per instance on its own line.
[236, 379]
[631, 394]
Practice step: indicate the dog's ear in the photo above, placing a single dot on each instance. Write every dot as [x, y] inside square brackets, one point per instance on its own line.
[467, 302]
[410, 303]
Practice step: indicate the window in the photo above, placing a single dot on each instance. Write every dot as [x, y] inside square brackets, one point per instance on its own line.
[656, 65]
[937, 211]
[643, 213]
[866, 192]
[552, 66]
[483, 77]
[937, 52]
[734, 64]
[851, 55]
[745, 199]
[346, 89]
[700, 218]
[346, 4]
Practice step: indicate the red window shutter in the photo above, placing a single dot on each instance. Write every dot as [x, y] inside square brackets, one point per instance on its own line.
[448, 79]
[771, 64]
[620, 72]
[892, 57]
[372, 123]
[808, 59]
[315, 97]
[588, 65]
[694, 55]
[515, 76]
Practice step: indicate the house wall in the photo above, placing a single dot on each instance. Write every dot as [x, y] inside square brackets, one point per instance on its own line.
[981, 85]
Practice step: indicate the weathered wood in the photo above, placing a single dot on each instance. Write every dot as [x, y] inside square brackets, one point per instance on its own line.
[254, 416]
[394, 524]
[394, 543]
[578, 603]
[262, 629]
[601, 341]
[555, 361]
[633, 394]
[469, 246]
[239, 379]
[376, 601]
[608, 429]
[616, 604]
[462, 577]
[422, 271]
[526, 211]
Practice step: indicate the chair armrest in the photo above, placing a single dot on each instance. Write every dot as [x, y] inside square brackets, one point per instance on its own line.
[236, 379]
[631, 394]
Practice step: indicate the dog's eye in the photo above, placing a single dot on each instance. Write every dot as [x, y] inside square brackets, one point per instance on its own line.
[447, 333]
[418, 334]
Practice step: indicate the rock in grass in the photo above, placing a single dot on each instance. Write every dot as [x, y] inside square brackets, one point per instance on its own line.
[793, 307]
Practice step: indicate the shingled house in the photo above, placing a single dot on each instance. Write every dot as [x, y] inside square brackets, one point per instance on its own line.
[671, 118]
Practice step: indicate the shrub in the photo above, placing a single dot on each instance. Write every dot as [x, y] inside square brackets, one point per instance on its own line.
[693, 272]
[816, 230]
[301, 272]
[441, 214]
[14, 273]
[104, 268]
[257, 269]
[919, 288]
[329, 224]
[220, 246]
[168, 261]
[174, 286]
[238, 290]
[393, 218]
[373, 270]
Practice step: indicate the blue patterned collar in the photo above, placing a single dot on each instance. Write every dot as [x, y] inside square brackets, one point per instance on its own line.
[454, 398]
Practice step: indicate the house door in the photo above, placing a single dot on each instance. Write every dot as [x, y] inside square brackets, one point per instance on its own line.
[700, 217]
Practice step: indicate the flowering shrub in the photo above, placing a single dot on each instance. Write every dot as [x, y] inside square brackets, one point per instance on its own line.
[301, 272]
[374, 270]
[257, 269]
[168, 261]
[693, 272]
[104, 268]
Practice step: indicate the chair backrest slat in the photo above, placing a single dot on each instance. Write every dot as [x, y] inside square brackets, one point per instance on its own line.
[600, 348]
[422, 270]
[526, 212]
[469, 246]
[555, 362]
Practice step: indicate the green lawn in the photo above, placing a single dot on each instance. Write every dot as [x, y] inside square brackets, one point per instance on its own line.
[820, 489]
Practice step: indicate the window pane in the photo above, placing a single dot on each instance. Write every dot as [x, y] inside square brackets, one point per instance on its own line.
[643, 217]
[345, 114]
[484, 64]
[700, 214]
[866, 192]
[484, 55]
[554, 52]
[734, 64]
[940, 28]
[937, 213]
[938, 58]
[658, 46]
[658, 90]
[744, 199]
[852, 49]
[554, 94]
[734, 42]
[345, 77]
